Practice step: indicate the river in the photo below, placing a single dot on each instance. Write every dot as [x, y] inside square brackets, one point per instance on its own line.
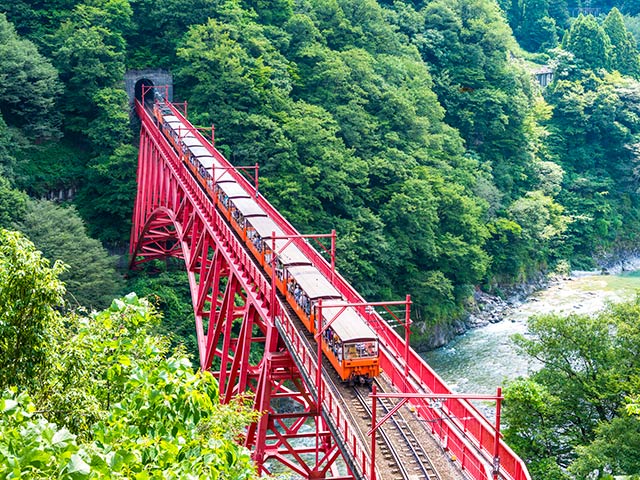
[483, 358]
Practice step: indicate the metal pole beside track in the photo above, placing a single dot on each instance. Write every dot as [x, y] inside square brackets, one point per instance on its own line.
[374, 407]
[319, 380]
[496, 443]
[407, 336]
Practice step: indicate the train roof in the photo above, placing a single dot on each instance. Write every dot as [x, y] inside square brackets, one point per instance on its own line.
[171, 119]
[248, 207]
[348, 325]
[207, 162]
[174, 122]
[189, 140]
[180, 128]
[312, 282]
[233, 190]
[291, 255]
[224, 177]
[200, 151]
[264, 226]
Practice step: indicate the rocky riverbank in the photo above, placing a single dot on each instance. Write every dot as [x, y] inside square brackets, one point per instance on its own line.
[485, 308]
[488, 308]
[615, 264]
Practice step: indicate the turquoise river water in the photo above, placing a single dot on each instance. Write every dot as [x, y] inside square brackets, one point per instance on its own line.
[483, 358]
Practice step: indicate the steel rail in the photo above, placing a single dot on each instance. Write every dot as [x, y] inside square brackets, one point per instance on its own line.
[385, 437]
[427, 467]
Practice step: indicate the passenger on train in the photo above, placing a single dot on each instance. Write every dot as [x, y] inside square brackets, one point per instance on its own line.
[257, 242]
[351, 352]
[307, 308]
[302, 301]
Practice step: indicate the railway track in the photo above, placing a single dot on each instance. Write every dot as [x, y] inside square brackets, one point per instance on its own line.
[399, 440]
[405, 449]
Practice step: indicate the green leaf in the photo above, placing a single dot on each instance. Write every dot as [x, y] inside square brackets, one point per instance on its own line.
[7, 405]
[62, 437]
[124, 360]
[78, 467]
[99, 465]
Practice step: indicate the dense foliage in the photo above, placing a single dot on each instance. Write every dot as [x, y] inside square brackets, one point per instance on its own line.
[90, 279]
[30, 293]
[572, 418]
[413, 128]
[102, 396]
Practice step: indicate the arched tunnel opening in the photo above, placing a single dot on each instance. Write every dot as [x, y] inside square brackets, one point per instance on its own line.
[148, 93]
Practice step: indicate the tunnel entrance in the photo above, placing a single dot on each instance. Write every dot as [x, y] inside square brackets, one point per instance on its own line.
[135, 79]
[138, 90]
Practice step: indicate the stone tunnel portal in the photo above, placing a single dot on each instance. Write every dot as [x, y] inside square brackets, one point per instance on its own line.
[135, 79]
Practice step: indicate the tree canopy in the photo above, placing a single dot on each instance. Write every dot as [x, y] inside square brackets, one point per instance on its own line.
[570, 416]
[30, 294]
[102, 396]
[29, 85]
[414, 129]
[90, 279]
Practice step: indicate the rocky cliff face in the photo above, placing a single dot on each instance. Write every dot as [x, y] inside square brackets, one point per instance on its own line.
[483, 308]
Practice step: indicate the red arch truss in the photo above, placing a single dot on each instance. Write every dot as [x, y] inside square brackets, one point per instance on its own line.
[174, 218]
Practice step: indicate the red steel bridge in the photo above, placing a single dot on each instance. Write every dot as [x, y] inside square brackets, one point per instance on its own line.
[237, 314]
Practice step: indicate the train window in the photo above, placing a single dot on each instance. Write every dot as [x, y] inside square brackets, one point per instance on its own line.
[365, 349]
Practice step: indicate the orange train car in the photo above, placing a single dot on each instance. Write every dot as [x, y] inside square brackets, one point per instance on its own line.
[350, 343]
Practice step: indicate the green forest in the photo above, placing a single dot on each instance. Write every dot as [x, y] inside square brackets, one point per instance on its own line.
[415, 128]
[102, 395]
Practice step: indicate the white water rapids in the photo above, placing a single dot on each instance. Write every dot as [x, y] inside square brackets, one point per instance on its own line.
[483, 358]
